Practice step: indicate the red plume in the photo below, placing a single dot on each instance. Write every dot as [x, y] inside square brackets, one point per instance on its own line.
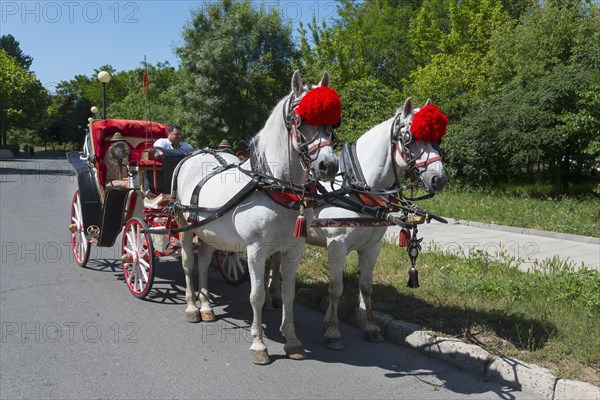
[429, 124]
[320, 106]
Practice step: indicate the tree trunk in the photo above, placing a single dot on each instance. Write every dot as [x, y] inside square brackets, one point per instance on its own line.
[561, 178]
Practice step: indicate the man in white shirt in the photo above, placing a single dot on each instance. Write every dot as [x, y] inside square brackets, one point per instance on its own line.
[173, 140]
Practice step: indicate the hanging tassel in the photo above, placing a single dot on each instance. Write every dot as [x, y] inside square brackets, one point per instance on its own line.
[300, 226]
[413, 278]
[404, 238]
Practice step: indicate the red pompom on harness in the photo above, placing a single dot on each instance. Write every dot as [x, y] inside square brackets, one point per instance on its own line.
[429, 124]
[320, 106]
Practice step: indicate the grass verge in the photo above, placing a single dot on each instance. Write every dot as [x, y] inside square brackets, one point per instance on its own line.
[550, 317]
[527, 206]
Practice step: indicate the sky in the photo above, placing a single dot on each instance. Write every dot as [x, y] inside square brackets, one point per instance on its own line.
[69, 37]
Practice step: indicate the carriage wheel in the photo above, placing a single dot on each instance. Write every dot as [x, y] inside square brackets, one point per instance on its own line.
[79, 242]
[138, 258]
[233, 266]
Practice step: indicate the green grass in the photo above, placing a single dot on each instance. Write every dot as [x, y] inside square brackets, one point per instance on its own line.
[550, 318]
[525, 206]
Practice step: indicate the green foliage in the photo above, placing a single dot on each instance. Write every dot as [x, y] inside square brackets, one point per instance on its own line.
[13, 49]
[366, 103]
[161, 96]
[540, 113]
[451, 41]
[369, 40]
[23, 99]
[236, 66]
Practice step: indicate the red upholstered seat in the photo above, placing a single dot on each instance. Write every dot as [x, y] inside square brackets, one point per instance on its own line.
[139, 135]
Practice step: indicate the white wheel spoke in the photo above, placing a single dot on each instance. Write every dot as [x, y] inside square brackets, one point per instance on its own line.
[144, 268]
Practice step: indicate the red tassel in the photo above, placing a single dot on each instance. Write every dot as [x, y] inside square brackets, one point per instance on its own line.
[404, 238]
[300, 226]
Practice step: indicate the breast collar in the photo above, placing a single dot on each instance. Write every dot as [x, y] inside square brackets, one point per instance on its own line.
[282, 194]
[354, 181]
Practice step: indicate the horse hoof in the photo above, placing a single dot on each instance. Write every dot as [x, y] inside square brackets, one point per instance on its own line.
[260, 357]
[208, 316]
[374, 337]
[192, 316]
[334, 344]
[296, 353]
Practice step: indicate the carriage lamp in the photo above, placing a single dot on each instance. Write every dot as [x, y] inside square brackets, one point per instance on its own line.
[94, 110]
[104, 78]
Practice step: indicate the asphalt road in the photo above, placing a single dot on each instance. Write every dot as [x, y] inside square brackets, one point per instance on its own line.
[70, 332]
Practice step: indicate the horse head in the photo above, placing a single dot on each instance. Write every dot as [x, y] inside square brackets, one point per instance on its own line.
[417, 134]
[313, 113]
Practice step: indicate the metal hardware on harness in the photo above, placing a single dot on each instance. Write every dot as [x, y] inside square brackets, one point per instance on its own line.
[414, 246]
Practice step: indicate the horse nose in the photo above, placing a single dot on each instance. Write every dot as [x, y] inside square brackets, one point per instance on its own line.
[439, 181]
[328, 169]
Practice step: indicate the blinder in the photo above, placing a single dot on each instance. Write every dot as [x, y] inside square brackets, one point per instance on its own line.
[294, 122]
[401, 140]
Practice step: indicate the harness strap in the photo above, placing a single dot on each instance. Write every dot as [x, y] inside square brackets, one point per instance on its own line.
[353, 175]
[349, 204]
[214, 172]
[219, 212]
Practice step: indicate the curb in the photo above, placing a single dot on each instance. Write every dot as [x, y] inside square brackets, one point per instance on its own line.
[470, 357]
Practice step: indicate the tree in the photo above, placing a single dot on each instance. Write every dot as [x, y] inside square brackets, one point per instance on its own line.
[366, 103]
[451, 41]
[235, 66]
[521, 94]
[370, 39]
[23, 99]
[161, 95]
[12, 48]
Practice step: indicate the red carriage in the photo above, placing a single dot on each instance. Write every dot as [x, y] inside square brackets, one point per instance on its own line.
[124, 184]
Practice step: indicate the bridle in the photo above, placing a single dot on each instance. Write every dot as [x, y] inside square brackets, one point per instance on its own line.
[307, 147]
[400, 139]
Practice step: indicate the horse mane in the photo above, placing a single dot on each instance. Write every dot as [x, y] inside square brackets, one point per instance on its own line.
[270, 139]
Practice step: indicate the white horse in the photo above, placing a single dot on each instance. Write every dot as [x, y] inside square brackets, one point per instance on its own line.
[377, 160]
[287, 147]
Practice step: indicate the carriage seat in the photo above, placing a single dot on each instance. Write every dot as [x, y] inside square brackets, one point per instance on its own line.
[166, 161]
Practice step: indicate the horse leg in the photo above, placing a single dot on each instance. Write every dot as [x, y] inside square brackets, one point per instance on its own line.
[192, 314]
[336, 255]
[256, 266]
[268, 306]
[205, 253]
[291, 259]
[274, 291]
[366, 265]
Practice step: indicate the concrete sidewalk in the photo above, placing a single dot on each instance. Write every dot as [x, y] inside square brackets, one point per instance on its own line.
[527, 246]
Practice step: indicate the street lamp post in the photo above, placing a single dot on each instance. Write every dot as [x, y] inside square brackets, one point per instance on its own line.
[104, 78]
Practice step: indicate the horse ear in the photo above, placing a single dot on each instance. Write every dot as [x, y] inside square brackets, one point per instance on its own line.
[297, 85]
[428, 102]
[408, 107]
[324, 80]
